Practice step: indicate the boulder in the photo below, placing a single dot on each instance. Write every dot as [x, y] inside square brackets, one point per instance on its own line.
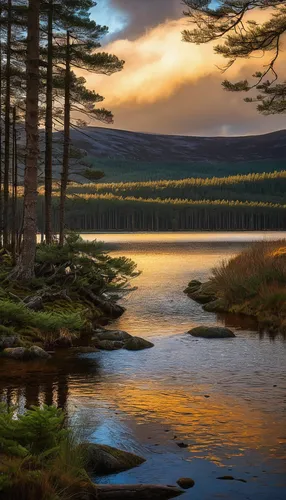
[114, 335]
[24, 354]
[201, 298]
[109, 345]
[217, 305]
[137, 344]
[186, 483]
[203, 293]
[15, 353]
[36, 352]
[63, 342]
[8, 341]
[193, 286]
[211, 332]
[102, 459]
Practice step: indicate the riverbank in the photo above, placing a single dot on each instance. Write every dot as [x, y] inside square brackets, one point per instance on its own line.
[140, 401]
[74, 293]
[41, 458]
[252, 283]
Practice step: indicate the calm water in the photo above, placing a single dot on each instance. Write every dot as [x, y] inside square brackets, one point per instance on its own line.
[148, 401]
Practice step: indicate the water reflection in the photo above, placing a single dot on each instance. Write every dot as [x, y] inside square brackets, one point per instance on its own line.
[45, 382]
[225, 399]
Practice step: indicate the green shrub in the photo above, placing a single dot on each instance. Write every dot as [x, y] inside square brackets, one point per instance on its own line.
[17, 314]
[39, 457]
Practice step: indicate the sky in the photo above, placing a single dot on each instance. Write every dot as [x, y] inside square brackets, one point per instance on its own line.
[169, 86]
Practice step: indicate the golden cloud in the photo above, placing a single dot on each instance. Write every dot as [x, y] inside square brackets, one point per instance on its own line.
[158, 63]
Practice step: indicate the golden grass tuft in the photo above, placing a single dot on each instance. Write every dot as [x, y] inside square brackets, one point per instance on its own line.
[255, 280]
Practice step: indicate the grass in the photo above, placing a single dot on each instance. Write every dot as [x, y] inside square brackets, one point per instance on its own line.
[54, 308]
[39, 457]
[254, 282]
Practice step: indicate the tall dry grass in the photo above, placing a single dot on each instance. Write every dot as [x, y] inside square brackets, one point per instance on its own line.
[256, 277]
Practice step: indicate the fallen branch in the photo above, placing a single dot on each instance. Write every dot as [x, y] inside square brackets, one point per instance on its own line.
[108, 307]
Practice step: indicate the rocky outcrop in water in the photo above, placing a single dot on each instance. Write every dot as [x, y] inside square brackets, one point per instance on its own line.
[186, 483]
[211, 332]
[103, 459]
[201, 292]
[25, 354]
[137, 344]
[111, 340]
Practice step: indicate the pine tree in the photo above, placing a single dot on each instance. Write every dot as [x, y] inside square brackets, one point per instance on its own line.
[25, 265]
[242, 38]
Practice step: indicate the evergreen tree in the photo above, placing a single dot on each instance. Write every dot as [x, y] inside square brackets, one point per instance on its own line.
[25, 265]
[243, 37]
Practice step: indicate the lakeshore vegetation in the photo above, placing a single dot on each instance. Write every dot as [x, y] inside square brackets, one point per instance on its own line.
[252, 283]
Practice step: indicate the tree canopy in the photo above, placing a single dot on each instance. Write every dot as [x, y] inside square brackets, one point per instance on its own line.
[242, 34]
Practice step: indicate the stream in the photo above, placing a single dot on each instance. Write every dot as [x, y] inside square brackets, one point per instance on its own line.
[225, 399]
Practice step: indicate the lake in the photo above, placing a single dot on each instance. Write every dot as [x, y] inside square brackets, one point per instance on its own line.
[225, 399]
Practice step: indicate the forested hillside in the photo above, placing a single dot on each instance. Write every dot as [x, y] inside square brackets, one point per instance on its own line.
[241, 202]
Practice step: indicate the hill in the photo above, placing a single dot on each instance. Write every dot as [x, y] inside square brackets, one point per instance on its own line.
[134, 156]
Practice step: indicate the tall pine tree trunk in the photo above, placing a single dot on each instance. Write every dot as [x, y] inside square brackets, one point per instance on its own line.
[7, 126]
[14, 189]
[1, 201]
[49, 130]
[66, 147]
[25, 268]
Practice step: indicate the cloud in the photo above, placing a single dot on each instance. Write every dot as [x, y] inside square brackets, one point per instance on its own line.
[169, 86]
[157, 63]
[143, 15]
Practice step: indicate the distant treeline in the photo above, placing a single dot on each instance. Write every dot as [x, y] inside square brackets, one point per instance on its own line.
[266, 187]
[111, 213]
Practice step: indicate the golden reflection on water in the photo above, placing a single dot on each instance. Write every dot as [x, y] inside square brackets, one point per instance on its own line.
[215, 427]
[166, 390]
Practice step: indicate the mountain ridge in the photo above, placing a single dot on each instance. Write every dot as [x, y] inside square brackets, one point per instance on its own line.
[101, 142]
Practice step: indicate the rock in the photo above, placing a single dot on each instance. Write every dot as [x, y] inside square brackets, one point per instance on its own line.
[203, 294]
[114, 335]
[102, 459]
[135, 491]
[8, 341]
[186, 483]
[182, 445]
[63, 342]
[226, 478]
[193, 286]
[211, 332]
[195, 283]
[24, 354]
[137, 344]
[217, 305]
[202, 298]
[14, 353]
[109, 345]
[36, 352]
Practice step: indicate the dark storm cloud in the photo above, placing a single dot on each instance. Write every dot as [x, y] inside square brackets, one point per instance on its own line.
[144, 14]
